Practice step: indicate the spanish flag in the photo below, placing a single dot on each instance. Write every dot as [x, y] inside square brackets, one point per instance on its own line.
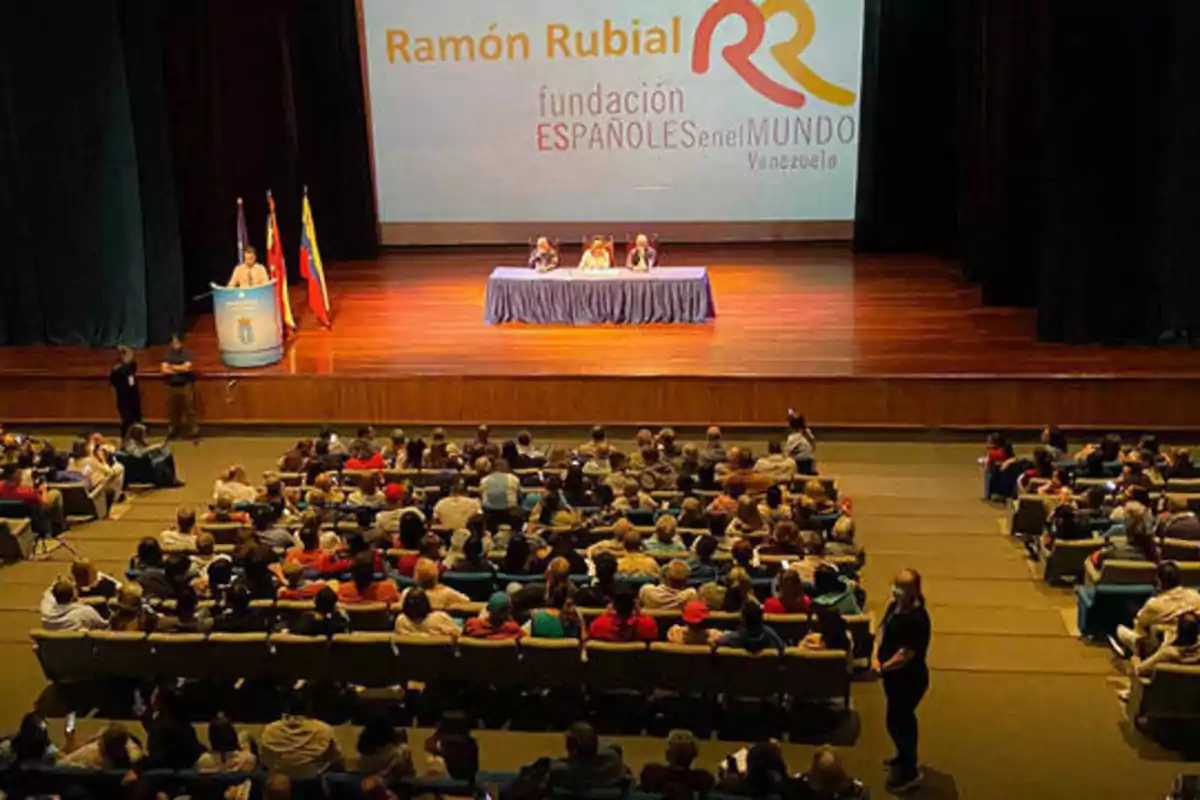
[310, 265]
[276, 266]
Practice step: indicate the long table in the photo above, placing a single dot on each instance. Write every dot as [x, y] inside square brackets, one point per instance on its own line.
[576, 297]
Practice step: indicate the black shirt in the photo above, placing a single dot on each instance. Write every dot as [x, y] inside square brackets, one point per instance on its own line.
[905, 631]
[180, 356]
[123, 378]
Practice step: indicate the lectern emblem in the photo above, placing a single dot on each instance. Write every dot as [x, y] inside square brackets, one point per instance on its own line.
[245, 330]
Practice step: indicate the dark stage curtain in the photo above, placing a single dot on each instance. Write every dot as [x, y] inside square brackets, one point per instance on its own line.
[1071, 182]
[128, 128]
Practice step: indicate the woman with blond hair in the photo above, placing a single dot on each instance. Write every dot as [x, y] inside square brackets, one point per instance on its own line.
[234, 483]
[747, 521]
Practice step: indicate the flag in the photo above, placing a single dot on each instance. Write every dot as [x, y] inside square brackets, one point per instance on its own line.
[311, 268]
[276, 266]
[243, 237]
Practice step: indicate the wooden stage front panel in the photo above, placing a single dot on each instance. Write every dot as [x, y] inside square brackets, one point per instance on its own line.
[854, 342]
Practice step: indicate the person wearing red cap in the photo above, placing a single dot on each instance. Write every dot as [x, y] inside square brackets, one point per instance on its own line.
[389, 519]
[693, 630]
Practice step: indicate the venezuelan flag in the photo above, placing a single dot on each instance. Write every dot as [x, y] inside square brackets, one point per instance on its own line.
[310, 265]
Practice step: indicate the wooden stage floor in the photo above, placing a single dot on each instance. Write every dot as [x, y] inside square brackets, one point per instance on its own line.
[858, 341]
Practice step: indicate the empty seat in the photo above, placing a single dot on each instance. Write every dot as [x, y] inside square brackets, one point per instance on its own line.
[790, 627]
[368, 616]
[123, 654]
[552, 663]
[493, 661]
[224, 532]
[368, 659]
[65, 656]
[301, 657]
[476, 585]
[240, 655]
[181, 655]
[425, 658]
[1170, 694]
[610, 666]
[688, 669]
[1067, 558]
[740, 673]
[816, 674]
[289, 612]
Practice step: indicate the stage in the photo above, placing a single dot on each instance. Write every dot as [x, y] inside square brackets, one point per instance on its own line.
[852, 341]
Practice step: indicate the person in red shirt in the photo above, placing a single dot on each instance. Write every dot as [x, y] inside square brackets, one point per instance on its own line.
[497, 624]
[37, 498]
[297, 588]
[310, 555]
[365, 458]
[623, 622]
[791, 598]
[363, 588]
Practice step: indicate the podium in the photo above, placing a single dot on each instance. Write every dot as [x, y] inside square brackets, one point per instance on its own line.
[249, 330]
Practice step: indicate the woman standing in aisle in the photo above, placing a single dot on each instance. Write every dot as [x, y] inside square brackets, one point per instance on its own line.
[899, 659]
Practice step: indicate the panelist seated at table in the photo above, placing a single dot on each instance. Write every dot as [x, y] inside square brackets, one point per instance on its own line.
[597, 256]
[641, 256]
[249, 273]
[544, 256]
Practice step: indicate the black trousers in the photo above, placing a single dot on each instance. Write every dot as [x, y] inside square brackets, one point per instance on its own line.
[904, 689]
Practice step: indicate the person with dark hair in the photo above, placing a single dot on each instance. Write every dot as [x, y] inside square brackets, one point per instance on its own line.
[497, 622]
[383, 750]
[831, 589]
[827, 630]
[238, 616]
[1137, 543]
[473, 560]
[171, 741]
[758, 771]
[899, 659]
[1183, 647]
[701, 563]
[36, 497]
[518, 557]
[181, 378]
[801, 444]
[122, 375]
[326, 619]
[752, 633]
[62, 611]
[588, 765]
[227, 750]
[599, 592]
[790, 598]
[186, 618]
[623, 621]
[438, 455]
[417, 617]
[1171, 601]
[31, 744]
[456, 509]
[1180, 466]
[113, 749]
[249, 273]
[298, 745]
[451, 750]
[362, 586]
[559, 618]
[1055, 441]
[676, 777]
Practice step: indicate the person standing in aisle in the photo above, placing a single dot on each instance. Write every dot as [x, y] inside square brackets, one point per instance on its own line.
[899, 659]
[123, 377]
[181, 388]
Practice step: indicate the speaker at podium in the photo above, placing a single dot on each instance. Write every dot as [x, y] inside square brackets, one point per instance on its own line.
[249, 328]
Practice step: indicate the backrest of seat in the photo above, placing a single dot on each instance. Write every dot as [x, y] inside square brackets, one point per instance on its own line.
[552, 663]
[122, 654]
[1030, 516]
[746, 674]
[476, 585]
[1179, 550]
[616, 665]
[490, 661]
[222, 532]
[1189, 574]
[1173, 691]
[289, 612]
[240, 655]
[1119, 571]
[368, 616]
[425, 658]
[859, 627]
[790, 627]
[64, 655]
[301, 657]
[368, 659]
[181, 655]
[689, 669]
[816, 674]
[665, 618]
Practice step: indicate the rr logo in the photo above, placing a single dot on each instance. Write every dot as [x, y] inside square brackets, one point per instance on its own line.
[786, 53]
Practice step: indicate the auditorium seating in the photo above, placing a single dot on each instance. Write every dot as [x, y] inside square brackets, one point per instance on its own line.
[81, 503]
[1170, 695]
[384, 659]
[16, 540]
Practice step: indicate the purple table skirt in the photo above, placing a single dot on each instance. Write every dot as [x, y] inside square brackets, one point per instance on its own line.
[669, 294]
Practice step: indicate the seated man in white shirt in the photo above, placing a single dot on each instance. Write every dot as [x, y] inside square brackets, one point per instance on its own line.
[673, 592]
[456, 510]
[235, 483]
[183, 535]
[249, 273]
[1171, 602]
[62, 611]
[775, 466]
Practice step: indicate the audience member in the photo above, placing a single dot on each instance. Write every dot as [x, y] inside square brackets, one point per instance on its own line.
[296, 459]
[693, 631]
[587, 765]
[826, 779]
[224, 513]
[457, 509]
[31, 744]
[383, 750]
[299, 746]
[827, 630]
[1137, 543]
[499, 489]
[752, 633]
[676, 777]
[417, 617]
[234, 483]
[228, 751]
[113, 749]
[171, 741]
[701, 563]
[97, 469]
[90, 582]
[451, 750]
[757, 771]
[1179, 522]
[159, 456]
[665, 541]
[833, 590]
[362, 586]
[237, 615]
[559, 619]
[673, 591]
[129, 612]
[1171, 601]
[36, 497]
[183, 535]
[790, 598]
[633, 562]
[62, 611]
[187, 617]
[497, 622]
[440, 596]
[366, 493]
[801, 445]
[325, 619]
[1183, 648]
[623, 621]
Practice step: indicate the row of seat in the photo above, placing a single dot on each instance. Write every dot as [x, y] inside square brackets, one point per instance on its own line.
[1031, 514]
[1065, 561]
[383, 659]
